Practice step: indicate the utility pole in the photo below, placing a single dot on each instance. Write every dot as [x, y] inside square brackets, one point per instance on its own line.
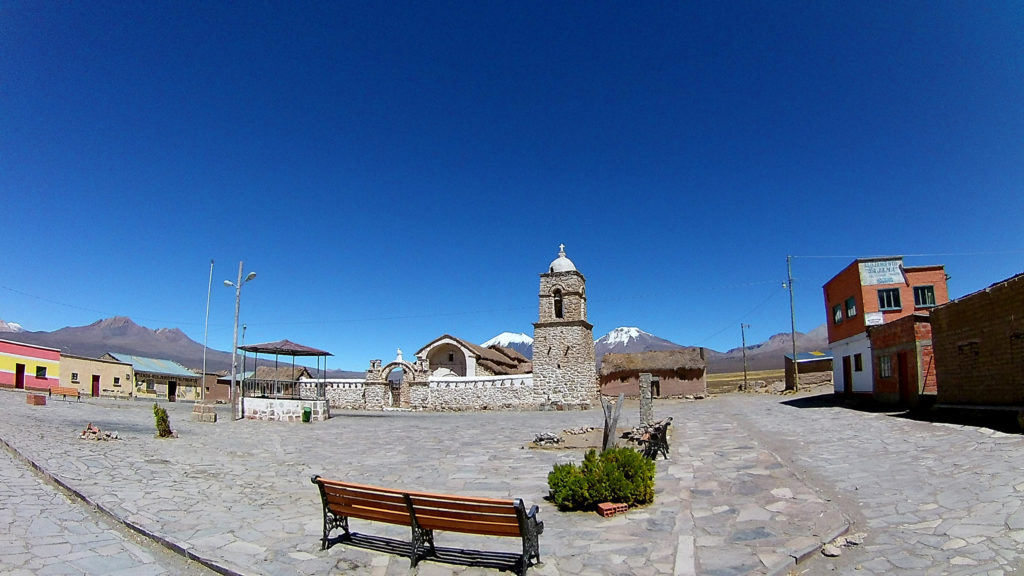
[792, 320]
[206, 331]
[743, 336]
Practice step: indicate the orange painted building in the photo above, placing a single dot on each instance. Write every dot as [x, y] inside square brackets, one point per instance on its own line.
[873, 292]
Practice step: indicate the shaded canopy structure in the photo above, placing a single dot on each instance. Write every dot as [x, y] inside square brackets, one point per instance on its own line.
[285, 348]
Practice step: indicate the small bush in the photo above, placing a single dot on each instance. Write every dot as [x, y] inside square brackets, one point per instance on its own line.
[619, 475]
[163, 423]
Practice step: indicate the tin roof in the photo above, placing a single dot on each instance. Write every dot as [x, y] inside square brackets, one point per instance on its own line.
[810, 356]
[153, 365]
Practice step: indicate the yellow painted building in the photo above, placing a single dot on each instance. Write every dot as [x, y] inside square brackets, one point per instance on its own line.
[97, 376]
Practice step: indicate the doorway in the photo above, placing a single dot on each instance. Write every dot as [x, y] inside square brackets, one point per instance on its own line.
[19, 376]
[172, 391]
[95, 385]
[906, 386]
[847, 376]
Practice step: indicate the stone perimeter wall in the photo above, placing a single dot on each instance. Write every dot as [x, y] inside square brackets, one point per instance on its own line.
[439, 394]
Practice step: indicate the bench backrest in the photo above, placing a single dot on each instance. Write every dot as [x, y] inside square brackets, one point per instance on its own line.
[472, 515]
[366, 502]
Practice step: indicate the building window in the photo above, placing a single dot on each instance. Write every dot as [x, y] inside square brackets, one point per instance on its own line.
[837, 314]
[851, 307]
[924, 296]
[889, 299]
[117, 381]
[885, 366]
[150, 385]
[858, 363]
[74, 376]
[451, 356]
[41, 372]
[558, 303]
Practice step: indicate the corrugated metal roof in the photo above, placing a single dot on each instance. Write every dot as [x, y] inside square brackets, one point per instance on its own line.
[154, 365]
[815, 355]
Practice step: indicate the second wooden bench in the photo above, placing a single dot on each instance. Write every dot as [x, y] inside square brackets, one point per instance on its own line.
[425, 512]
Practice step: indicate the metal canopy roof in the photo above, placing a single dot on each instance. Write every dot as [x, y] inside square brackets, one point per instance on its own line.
[284, 348]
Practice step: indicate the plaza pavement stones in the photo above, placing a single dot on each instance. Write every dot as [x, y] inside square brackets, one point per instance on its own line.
[44, 532]
[236, 495]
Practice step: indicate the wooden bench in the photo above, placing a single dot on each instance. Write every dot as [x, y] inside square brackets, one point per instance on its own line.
[65, 392]
[425, 513]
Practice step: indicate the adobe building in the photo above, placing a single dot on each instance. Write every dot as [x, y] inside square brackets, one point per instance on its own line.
[97, 376]
[872, 292]
[674, 373]
[28, 367]
[979, 347]
[564, 367]
[903, 361]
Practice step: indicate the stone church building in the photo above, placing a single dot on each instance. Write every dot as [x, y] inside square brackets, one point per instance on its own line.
[452, 374]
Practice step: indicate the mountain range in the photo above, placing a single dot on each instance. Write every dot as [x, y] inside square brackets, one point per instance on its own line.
[121, 334]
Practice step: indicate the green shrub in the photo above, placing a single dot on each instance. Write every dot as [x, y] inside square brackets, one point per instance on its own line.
[619, 475]
[163, 423]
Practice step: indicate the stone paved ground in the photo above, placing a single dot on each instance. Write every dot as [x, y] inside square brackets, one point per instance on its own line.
[43, 531]
[752, 482]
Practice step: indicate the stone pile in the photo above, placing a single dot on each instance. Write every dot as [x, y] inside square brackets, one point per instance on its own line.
[547, 439]
[94, 433]
[579, 431]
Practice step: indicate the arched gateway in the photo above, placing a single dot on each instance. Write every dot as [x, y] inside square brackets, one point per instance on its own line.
[381, 393]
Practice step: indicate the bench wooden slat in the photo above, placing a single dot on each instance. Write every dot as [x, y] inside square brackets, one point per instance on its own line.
[466, 526]
[376, 514]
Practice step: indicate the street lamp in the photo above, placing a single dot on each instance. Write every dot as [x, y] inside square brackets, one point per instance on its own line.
[234, 346]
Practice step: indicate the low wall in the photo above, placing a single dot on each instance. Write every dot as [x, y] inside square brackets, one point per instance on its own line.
[478, 393]
[284, 410]
[438, 394]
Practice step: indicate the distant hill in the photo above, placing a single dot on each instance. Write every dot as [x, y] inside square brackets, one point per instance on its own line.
[10, 327]
[765, 356]
[121, 334]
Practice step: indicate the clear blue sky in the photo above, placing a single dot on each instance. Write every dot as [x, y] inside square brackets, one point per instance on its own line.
[394, 171]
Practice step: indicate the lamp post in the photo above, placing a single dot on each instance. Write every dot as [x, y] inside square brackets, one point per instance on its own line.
[234, 346]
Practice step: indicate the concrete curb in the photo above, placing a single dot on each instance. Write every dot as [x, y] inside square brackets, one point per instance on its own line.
[172, 546]
[798, 556]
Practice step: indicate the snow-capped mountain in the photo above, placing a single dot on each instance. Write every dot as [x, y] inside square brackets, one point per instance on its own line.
[630, 340]
[10, 327]
[517, 341]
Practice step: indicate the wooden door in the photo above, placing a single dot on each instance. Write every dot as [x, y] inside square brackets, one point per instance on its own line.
[19, 376]
[847, 376]
[95, 385]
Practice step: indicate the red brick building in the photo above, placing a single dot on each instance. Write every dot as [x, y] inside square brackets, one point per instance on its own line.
[873, 292]
[979, 347]
[903, 360]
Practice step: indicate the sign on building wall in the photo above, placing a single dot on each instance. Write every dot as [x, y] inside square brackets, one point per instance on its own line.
[874, 319]
[881, 272]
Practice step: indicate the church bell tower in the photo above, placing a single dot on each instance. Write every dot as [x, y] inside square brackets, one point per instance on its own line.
[564, 372]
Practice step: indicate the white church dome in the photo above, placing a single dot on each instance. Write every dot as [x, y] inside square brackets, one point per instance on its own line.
[562, 264]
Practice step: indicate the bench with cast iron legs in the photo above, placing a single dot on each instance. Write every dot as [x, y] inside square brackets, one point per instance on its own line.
[424, 513]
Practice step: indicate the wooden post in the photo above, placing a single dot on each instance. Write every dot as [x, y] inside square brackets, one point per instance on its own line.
[611, 421]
